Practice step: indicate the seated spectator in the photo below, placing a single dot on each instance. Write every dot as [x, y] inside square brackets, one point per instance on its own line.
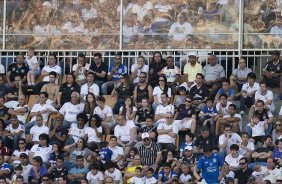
[246, 147]
[167, 174]
[90, 104]
[71, 109]
[199, 92]
[163, 109]
[142, 90]
[162, 88]
[20, 179]
[227, 139]
[3, 88]
[130, 170]
[233, 158]
[52, 89]
[76, 149]
[58, 134]
[37, 130]
[277, 132]
[125, 131]
[204, 140]
[239, 76]
[180, 99]
[93, 132]
[242, 174]
[99, 68]
[3, 111]
[89, 87]
[222, 106]
[232, 118]
[77, 172]
[230, 92]
[185, 115]
[277, 153]
[5, 168]
[33, 65]
[247, 94]
[80, 69]
[37, 171]
[15, 158]
[66, 89]
[167, 132]
[20, 109]
[137, 69]
[150, 152]
[188, 142]
[155, 66]
[12, 133]
[266, 96]
[262, 153]
[128, 109]
[94, 175]
[148, 128]
[226, 174]
[59, 170]
[113, 172]
[105, 154]
[118, 152]
[138, 176]
[106, 114]
[208, 115]
[144, 111]
[149, 178]
[43, 149]
[189, 157]
[18, 89]
[272, 173]
[258, 128]
[26, 166]
[122, 91]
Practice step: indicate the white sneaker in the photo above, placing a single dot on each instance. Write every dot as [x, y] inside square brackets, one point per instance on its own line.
[242, 112]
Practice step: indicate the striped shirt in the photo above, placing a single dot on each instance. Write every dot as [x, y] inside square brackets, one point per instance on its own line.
[149, 154]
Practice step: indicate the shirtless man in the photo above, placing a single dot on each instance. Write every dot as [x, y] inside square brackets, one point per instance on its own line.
[51, 88]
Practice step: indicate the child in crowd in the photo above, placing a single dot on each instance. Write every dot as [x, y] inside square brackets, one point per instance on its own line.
[180, 99]
[188, 142]
[137, 178]
[17, 171]
[258, 128]
[94, 176]
[105, 152]
[149, 178]
[185, 177]
[34, 69]
[166, 174]
[131, 155]
[258, 173]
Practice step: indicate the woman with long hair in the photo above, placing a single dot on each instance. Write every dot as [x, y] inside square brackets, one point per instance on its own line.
[158, 90]
[93, 132]
[277, 132]
[129, 110]
[90, 104]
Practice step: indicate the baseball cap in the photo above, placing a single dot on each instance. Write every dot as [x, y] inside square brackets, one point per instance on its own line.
[275, 52]
[188, 148]
[145, 135]
[192, 54]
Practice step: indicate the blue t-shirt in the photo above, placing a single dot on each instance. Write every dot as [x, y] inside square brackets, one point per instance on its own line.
[106, 154]
[164, 178]
[210, 167]
[206, 110]
[122, 69]
[230, 92]
[276, 154]
[183, 145]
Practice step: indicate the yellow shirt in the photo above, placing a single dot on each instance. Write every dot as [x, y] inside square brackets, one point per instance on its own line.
[192, 71]
[131, 170]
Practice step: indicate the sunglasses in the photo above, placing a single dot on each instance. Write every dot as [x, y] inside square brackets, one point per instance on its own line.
[278, 124]
[188, 101]
[146, 139]
[169, 117]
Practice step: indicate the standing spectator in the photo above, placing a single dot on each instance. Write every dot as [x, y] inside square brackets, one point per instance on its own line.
[100, 69]
[114, 73]
[137, 68]
[80, 69]
[66, 89]
[214, 74]
[239, 75]
[191, 69]
[242, 175]
[78, 172]
[89, 87]
[142, 90]
[167, 132]
[150, 152]
[155, 67]
[33, 65]
[209, 165]
[15, 69]
[37, 171]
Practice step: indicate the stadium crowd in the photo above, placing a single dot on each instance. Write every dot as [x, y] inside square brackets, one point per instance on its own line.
[144, 125]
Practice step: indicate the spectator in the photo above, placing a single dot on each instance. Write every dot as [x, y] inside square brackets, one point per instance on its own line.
[16, 90]
[191, 69]
[180, 99]
[277, 153]
[248, 91]
[114, 73]
[89, 87]
[137, 68]
[90, 104]
[20, 109]
[208, 115]
[106, 114]
[52, 89]
[118, 152]
[162, 88]
[188, 142]
[66, 89]
[33, 65]
[266, 96]
[141, 8]
[100, 69]
[58, 134]
[272, 173]
[242, 174]
[226, 176]
[5, 168]
[112, 172]
[59, 170]
[26, 166]
[189, 157]
[130, 170]
[164, 108]
[262, 153]
[239, 76]
[199, 92]
[246, 147]
[277, 132]
[15, 158]
[155, 67]
[204, 140]
[214, 74]
[144, 111]
[94, 175]
[167, 132]
[142, 90]
[80, 69]
[148, 128]
[77, 172]
[185, 176]
[93, 132]
[233, 158]
[37, 171]
[230, 92]
[3, 88]
[167, 174]
[37, 130]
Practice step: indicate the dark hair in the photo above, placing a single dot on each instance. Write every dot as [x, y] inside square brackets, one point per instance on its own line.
[81, 55]
[227, 125]
[252, 75]
[83, 143]
[200, 74]
[234, 147]
[98, 120]
[245, 159]
[209, 100]
[232, 105]
[44, 93]
[191, 135]
[38, 159]
[135, 150]
[94, 166]
[223, 95]
[101, 99]
[138, 168]
[19, 177]
[3, 124]
[144, 73]
[98, 54]
[44, 136]
[18, 167]
[266, 137]
[166, 95]
[73, 76]
[90, 73]
[263, 82]
[165, 84]
[54, 55]
[151, 170]
[226, 81]
[166, 164]
[22, 139]
[123, 111]
[118, 54]
[53, 73]
[82, 116]
[205, 128]
[87, 108]
[109, 164]
[79, 157]
[113, 136]
[260, 101]
[244, 133]
[215, 148]
[157, 52]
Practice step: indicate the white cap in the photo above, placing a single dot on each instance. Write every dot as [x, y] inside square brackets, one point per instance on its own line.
[47, 3]
[188, 148]
[192, 54]
[145, 135]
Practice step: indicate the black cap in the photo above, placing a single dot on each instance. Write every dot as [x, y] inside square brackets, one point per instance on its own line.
[207, 148]
[234, 147]
[23, 155]
[275, 52]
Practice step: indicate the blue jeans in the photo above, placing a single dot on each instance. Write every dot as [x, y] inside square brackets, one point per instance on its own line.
[11, 143]
[267, 131]
[28, 126]
[106, 86]
[67, 124]
[251, 165]
[119, 104]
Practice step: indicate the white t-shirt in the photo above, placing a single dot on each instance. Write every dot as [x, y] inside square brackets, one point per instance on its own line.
[91, 134]
[151, 180]
[166, 138]
[171, 73]
[250, 146]
[70, 111]
[236, 116]
[162, 9]
[93, 179]
[25, 172]
[116, 175]
[157, 91]
[17, 153]
[233, 161]
[87, 14]
[134, 109]
[44, 153]
[266, 97]
[258, 129]
[107, 111]
[224, 110]
[185, 179]
[145, 68]
[31, 62]
[81, 74]
[123, 132]
[141, 11]
[92, 89]
[20, 127]
[273, 175]
[76, 132]
[2, 69]
[180, 31]
[164, 109]
[49, 69]
[23, 117]
[137, 180]
[36, 131]
[246, 87]
[116, 151]
[38, 107]
[235, 139]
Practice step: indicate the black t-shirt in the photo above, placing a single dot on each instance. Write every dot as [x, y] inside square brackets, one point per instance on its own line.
[202, 142]
[59, 173]
[143, 113]
[15, 91]
[261, 150]
[3, 111]
[102, 68]
[13, 68]
[199, 93]
[263, 115]
[243, 176]
[124, 91]
[185, 113]
[156, 67]
[60, 132]
[67, 91]
[276, 68]
[3, 90]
